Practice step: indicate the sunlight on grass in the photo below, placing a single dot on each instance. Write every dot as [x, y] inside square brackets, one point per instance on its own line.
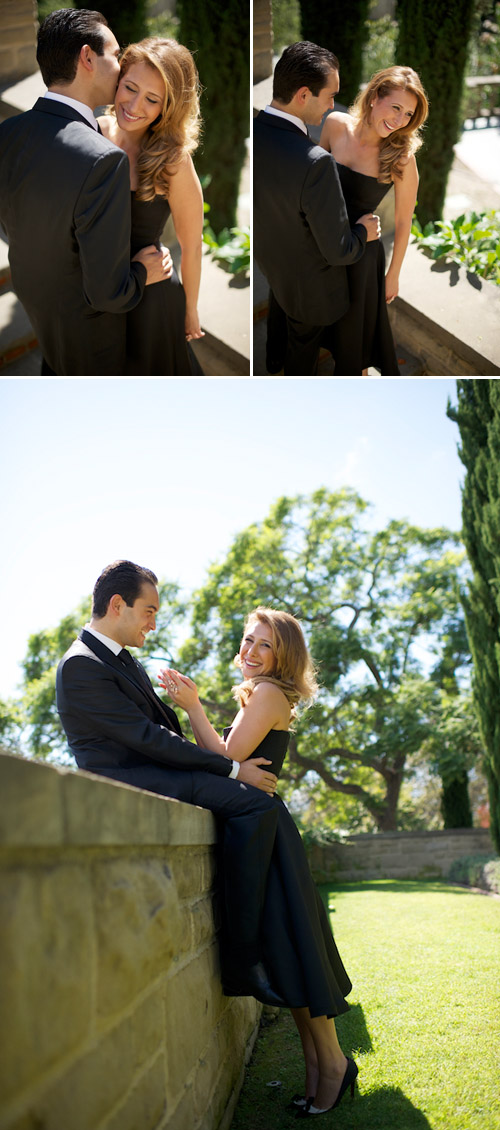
[424, 1023]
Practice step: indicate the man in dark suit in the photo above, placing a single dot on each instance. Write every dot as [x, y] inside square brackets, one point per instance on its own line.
[117, 727]
[65, 205]
[302, 237]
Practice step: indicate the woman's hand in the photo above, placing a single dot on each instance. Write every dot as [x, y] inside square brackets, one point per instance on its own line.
[180, 688]
[192, 325]
[391, 286]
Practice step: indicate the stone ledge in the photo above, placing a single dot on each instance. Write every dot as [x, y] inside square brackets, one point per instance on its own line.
[45, 805]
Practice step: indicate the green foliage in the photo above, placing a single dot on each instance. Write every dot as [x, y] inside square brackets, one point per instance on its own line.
[217, 32]
[286, 23]
[342, 28]
[478, 417]
[127, 21]
[231, 248]
[379, 46]
[368, 602]
[10, 725]
[433, 38]
[477, 871]
[472, 239]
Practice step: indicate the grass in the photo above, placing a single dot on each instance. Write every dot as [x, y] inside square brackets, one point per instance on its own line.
[424, 1023]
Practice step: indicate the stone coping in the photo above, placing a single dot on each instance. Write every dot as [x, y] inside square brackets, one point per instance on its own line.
[49, 806]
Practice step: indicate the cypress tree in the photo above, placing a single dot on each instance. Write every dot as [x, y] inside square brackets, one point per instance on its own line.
[217, 32]
[478, 418]
[455, 803]
[433, 37]
[341, 28]
[127, 21]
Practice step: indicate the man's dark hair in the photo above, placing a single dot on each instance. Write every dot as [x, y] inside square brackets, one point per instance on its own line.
[123, 577]
[61, 37]
[302, 64]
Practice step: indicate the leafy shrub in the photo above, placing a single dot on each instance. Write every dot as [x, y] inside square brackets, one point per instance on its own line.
[472, 239]
[477, 871]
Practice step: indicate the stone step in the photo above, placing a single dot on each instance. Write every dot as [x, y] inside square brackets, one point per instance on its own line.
[17, 337]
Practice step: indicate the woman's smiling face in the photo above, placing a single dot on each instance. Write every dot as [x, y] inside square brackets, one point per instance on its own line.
[139, 98]
[256, 650]
[393, 111]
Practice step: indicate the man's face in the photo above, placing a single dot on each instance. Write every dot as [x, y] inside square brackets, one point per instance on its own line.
[137, 620]
[318, 105]
[107, 69]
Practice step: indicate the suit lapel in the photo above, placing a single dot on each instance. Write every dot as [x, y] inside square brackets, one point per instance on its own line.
[135, 674]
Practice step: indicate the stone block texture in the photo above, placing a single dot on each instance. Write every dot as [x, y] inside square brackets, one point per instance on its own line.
[19, 22]
[397, 855]
[112, 1012]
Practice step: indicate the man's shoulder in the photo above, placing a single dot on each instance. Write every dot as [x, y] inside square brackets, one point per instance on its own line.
[79, 650]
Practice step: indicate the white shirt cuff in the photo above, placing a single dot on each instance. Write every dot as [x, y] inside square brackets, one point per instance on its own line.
[235, 770]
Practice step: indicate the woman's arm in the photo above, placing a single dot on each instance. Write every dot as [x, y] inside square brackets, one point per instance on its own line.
[266, 709]
[186, 204]
[405, 190]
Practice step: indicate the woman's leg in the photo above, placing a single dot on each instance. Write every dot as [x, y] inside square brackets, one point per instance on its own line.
[331, 1061]
[302, 1020]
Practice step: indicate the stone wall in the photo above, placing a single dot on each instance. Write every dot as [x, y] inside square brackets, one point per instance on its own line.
[262, 40]
[18, 24]
[397, 855]
[112, 1010]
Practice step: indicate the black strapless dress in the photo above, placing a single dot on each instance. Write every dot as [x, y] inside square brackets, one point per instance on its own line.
[298, 949]
[362, 337]
[156, 341]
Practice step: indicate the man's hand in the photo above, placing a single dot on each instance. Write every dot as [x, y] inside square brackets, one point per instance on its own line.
[250, 774]
[157, 263]
[372, 225]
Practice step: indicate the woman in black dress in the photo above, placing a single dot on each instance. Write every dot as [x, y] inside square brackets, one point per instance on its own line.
[374, 147]
[155, 120]
[297, 947]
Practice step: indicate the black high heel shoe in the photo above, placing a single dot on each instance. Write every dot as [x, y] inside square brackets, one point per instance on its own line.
[349, 1080]
[299, 1102]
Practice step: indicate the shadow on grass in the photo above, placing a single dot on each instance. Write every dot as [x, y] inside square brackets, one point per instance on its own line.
[388, 886]
[387, 1108]
[352, 1031]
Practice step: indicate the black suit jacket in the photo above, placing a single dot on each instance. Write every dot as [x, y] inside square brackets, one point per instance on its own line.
[65, 205]
[302, 237]
[114, 720]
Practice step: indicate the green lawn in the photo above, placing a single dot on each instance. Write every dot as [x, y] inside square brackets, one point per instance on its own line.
[424, 1023]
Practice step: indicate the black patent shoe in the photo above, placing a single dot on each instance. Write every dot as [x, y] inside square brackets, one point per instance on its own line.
[255, 983]
[349, 1080]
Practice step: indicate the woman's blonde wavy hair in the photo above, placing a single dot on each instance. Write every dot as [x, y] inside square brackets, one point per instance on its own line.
[395, 149]
[176, 130]
[294, 672]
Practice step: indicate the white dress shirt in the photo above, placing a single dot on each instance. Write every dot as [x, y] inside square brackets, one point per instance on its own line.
[289, 117]
[82, 109]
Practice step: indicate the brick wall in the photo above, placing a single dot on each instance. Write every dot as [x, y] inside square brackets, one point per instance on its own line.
[113, 1015]
[397, 855]
[18, 25]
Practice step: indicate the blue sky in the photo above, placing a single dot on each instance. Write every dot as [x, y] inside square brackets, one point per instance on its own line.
[166, 471]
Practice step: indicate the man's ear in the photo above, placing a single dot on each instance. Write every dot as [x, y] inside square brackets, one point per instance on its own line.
[115, 605]
[302, 94]
[86, 57]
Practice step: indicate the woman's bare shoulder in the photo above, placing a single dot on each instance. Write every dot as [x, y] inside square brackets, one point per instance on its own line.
[107, 123]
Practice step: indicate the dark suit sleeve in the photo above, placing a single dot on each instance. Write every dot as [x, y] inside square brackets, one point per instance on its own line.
[324, 208]
[111, 282]
[88, 694]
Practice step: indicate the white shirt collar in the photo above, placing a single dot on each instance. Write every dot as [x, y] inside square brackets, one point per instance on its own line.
[289, 117]
[115, 647]
[82, 109]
